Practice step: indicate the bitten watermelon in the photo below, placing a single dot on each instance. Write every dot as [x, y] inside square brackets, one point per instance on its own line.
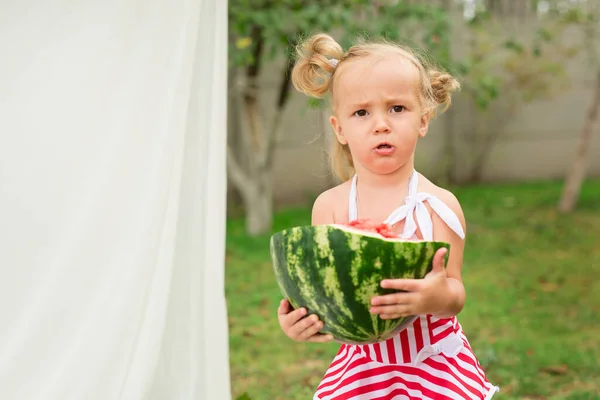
[334, 271]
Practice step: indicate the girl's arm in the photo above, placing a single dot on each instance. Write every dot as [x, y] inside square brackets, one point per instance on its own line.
[322, 211]
[455, 296]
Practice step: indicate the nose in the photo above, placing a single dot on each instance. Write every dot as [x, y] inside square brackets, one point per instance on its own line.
[381, 124]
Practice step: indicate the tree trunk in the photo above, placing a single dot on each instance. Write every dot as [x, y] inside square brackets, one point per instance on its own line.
[256, 189]
[258, 201]
[449, 156]
[481, 153]
[481, 157]
[487, 134]
[576, 174]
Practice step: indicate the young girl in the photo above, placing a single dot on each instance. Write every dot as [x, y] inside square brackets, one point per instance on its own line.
[383, 97]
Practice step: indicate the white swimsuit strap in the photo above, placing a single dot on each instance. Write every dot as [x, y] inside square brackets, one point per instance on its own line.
[414, 205]
[413, 183]
[402, 212]
[352, 206]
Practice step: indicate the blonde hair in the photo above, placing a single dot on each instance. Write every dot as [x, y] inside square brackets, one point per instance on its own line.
[320, 56]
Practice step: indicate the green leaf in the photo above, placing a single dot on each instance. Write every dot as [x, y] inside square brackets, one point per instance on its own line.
[545, 35]
[512, 44]
[314, 103]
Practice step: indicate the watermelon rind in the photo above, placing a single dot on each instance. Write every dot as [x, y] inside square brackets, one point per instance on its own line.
[333, 271]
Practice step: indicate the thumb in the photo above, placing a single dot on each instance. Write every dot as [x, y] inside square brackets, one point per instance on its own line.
[438, 260]
[284, 307]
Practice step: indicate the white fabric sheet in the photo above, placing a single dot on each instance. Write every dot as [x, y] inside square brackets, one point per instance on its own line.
[112, 200]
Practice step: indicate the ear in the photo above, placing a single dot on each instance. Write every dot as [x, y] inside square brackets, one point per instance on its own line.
[424, 127]
[337, 128]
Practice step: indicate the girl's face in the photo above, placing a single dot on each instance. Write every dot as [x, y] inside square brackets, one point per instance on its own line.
[377, 112]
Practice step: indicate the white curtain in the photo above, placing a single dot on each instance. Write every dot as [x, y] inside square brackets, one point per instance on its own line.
[112, 200]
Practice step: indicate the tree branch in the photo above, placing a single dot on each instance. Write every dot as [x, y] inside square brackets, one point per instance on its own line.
[249, 161]
[576, 174]
[256, 35]
[273, 134]
[251, 90]
[235, 171]
[490, 138]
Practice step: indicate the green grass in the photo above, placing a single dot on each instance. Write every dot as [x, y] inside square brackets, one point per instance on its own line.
[533, 299]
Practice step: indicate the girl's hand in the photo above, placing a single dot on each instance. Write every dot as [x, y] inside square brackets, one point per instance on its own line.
[299, 327]
[429, 295]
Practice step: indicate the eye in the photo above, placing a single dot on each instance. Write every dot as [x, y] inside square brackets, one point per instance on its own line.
[398, 109]
[360, 113]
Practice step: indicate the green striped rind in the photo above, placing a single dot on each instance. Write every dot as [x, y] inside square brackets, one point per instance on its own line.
[334, 273]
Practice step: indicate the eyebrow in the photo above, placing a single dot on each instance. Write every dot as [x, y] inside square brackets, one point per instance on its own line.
[399, 99]
[363, 104]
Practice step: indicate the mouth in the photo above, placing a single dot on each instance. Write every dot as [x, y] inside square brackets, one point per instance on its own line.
[384, 149]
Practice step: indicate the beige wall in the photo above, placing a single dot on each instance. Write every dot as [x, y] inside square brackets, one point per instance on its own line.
[538, 142]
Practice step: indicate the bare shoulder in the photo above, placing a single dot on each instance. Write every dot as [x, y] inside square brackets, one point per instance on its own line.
[446, 196]
[327, 204]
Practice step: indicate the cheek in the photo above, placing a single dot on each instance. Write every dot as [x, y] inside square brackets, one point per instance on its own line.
[411, 127]
[349, 131]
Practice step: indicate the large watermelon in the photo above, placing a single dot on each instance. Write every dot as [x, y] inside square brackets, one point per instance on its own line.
[334, 271]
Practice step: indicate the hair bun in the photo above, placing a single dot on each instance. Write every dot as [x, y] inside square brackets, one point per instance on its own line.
[442, 86]
[312, 72]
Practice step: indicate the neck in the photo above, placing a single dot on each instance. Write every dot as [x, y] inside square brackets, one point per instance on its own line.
[393, 180]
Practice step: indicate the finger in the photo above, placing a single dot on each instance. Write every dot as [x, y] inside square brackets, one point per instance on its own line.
[293, 317]
[311, 330]
[394, 298]
[284, 307]
[299, 328]
[409, 285]
[394, 316]
[403, 310]
[439, 260]
[320, 338]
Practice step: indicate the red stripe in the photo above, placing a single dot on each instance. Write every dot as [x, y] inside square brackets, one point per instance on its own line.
[378, 356]
[418, 334]
[456, 326]
[394, 393]
[337, 360]
[474, 361]
[405, 346]
[443, 367]
[467, 344]
[373, 372]
[470, 374]
[429, 330]
[413, 386]
[330, 372]
[391, 350]
[368, 351]
[443, 334]
[354, 364]
[466, 358]
[439, 322]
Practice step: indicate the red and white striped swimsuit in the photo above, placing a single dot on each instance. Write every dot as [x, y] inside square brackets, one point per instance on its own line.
[430, 359]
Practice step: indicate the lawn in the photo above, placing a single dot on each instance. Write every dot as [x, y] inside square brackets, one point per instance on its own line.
[533, 299]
